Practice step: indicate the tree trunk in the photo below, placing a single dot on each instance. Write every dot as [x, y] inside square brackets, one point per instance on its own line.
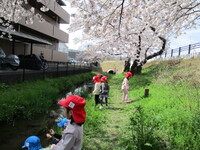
[136, 68]
[127, 65]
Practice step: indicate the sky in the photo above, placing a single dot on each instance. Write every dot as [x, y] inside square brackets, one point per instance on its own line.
[192, 36]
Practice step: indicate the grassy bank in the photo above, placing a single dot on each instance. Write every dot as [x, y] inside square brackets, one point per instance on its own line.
[118, 64]
[167, 120]
[29, 98]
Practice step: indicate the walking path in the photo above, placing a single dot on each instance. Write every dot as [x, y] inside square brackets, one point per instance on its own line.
[115, 124]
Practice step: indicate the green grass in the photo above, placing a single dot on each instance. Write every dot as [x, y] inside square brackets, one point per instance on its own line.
[167, 120]
[27, 99]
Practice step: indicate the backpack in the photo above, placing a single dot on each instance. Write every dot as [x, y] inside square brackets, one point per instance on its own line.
[104, 88]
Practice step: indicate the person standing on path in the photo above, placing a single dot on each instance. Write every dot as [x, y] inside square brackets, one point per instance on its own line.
[125, 87]
[104, 91]
[96, 90]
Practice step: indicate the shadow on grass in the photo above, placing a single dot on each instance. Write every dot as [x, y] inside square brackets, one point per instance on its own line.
[141, 81]
[115, 108]
[133, 101]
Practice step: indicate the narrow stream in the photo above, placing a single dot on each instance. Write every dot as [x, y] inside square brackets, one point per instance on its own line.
[13, 137]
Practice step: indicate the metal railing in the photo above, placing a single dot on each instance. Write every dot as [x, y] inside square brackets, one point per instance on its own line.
[55, 69]
[191, 50]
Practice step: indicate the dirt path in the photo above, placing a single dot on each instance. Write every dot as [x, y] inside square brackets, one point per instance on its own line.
[116, 122]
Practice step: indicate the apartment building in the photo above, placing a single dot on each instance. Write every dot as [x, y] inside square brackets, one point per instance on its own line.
[39, 37]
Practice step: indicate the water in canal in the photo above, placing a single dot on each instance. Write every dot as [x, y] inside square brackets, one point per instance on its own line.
[13, 137]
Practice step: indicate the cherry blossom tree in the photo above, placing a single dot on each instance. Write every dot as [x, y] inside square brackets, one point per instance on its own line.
[137, 28]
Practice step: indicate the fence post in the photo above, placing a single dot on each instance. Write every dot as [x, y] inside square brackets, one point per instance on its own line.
[189, 49]
[67, 69]
[74, 67]
[43, 74]
[57, 68]
[171, 52]
[23, 75]
[165, 54]
[146, 92]
[179, 52]
[91, 66]
[23, 60]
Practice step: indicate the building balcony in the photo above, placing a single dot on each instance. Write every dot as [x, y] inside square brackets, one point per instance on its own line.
[64, 16]
[47, 29]
[61, 35]
[55, 10]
